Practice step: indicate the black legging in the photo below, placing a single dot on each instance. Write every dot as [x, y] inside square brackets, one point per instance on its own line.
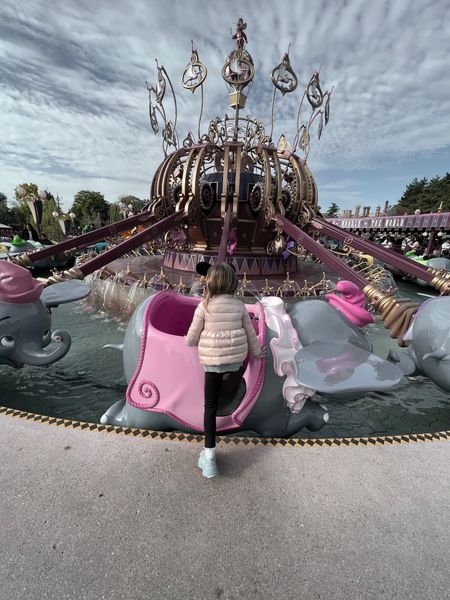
[213, 384]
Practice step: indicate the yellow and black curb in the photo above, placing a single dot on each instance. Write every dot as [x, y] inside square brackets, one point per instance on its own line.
[382, 440]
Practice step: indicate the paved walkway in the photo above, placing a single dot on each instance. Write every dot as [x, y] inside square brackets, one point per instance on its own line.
[88, 516]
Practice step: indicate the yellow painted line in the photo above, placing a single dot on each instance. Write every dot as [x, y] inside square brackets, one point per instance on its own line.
[371, 441]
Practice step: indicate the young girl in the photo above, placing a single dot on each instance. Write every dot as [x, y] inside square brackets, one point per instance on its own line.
[223, 332]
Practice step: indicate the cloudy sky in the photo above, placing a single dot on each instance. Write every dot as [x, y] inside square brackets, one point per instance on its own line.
[74, 109]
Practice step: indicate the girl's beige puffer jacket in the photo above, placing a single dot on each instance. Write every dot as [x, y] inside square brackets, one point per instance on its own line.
[223, 332]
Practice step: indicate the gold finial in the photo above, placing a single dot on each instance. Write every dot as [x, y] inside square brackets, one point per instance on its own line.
[73, 273]
[267, 289]
[243, 285]
[288, 287]
[396, 313]
[441, 281]
[181, 288]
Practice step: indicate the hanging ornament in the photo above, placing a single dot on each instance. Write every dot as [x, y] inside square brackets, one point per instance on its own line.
[319, 132]
[313, 91]
[195, 73]
[327, 109]
[283, 76]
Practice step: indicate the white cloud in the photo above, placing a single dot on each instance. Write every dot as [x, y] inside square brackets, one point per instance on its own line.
[74, 105]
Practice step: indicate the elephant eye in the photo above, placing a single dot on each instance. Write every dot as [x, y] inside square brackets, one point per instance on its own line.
[7, 341]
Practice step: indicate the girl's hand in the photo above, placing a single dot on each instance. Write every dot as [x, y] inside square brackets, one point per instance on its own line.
[263, 353]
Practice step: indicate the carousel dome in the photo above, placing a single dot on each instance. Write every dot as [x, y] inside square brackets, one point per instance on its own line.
[235, 166]
[246, 172]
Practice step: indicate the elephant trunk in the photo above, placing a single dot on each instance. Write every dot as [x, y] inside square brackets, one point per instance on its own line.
[440, 354]
[40, 358]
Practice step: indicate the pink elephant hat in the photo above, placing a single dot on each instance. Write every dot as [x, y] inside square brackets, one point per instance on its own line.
[351, 301]
[17, 284]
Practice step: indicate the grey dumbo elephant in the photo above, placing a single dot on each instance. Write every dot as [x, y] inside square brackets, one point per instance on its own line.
[428, 352]
[25, 317]
[439, 262]
[349, 370]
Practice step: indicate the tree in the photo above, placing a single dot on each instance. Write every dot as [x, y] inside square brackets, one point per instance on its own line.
[5, 213]
[135, 202]
[333, 211]
[50, 225]
[18, 216]
[87, 205]
[4, 210]
[425, 195]
[114, 213]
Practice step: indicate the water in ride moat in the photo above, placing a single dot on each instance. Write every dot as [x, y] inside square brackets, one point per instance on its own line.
[89, 380]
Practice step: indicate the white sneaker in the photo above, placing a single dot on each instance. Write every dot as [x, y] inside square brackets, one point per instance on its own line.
[207, 465]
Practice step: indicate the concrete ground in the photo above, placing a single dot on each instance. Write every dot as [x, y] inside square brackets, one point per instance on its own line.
[91, 515]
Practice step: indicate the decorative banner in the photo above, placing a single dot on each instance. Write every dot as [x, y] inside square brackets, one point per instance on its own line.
[62, 224]
[35, 207]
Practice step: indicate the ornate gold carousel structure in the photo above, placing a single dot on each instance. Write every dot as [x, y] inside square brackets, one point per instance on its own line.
[234, 194]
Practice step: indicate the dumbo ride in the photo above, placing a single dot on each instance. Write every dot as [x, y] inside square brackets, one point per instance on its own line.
[25, 317]
[316, 348]
[428, 352]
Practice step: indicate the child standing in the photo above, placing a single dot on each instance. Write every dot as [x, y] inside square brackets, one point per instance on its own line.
[223, 332]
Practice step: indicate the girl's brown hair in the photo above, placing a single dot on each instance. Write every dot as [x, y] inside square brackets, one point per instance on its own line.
[221, 279]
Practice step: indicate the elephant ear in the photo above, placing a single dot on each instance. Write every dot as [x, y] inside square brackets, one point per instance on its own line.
[337, 368]
[66, 291]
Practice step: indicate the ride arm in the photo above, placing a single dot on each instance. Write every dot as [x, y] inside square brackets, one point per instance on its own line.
[102, 260]
[397, 313]
[389, 257]
[81, 241]
[324, 255]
